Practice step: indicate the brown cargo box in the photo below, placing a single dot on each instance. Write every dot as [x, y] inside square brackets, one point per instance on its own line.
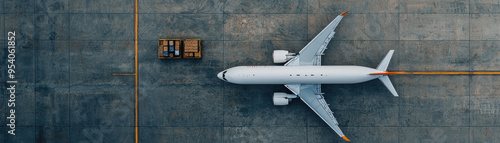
[165, 48]
[196, 54]
[170, 54]
[171, 43]
[190, 49]
[177, 45]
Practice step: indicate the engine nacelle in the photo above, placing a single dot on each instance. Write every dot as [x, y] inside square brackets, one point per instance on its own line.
[281, 99]
[282, 56]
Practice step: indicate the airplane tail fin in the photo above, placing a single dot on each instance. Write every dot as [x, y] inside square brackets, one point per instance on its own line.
[385, 62]
[385, 78]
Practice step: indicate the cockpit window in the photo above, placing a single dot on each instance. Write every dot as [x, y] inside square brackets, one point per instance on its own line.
[224, 75]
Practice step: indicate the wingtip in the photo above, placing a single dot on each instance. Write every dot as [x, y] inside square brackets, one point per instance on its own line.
[344, 13]
[346, 139]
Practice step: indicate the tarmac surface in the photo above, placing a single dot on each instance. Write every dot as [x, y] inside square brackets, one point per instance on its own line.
[67, 50]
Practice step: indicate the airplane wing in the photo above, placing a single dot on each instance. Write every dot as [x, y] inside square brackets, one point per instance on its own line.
[310, 55]
[312, 96]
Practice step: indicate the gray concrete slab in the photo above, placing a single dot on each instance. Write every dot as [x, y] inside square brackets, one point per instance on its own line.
[52, 134]
[184, 7]
[357, 26]
[102, 106]
[434, 27]
[356, 6]
[180, 26]
[484, 6]
[2, 6]
[108, 6]
[433, 56]
[484, 134]
[103, 27]
[3, 135]
[19, 6]
[96, 97]
[24, 27]
[355, 134]
[181, 106]
[265, 134]
[101, 134]
[23, 134]
[93, 62]
[240, 53]
[257, 27]
[180, 134]
[434, 134]
[52, 106]
[52, 26]
[51, 6]
[484, 55]
[25, 106]
[439, 100]
[434, 6]
[278, 6]
[2, 28]
[156, 72]
[52, 83]
[3, 106]
[484, 104]
[481, 27]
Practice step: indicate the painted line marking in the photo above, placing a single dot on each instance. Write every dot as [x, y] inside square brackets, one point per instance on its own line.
[122, 73]
[451, 73]
[136, 72]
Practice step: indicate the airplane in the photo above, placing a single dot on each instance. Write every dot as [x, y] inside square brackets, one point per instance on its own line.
[303, 75]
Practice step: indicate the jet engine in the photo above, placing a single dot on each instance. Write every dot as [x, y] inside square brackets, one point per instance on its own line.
[282, 56]
[281, 99]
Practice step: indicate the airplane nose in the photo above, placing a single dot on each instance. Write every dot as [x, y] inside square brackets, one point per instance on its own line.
[220, 75]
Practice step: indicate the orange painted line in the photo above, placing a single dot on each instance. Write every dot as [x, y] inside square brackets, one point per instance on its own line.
[451, 73]
[122, 73]
[387, 73]
[136, 71]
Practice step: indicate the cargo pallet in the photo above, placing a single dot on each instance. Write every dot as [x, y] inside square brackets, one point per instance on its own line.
[177, 48]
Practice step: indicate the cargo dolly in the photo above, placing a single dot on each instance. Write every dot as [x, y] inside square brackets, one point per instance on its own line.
[177, 48]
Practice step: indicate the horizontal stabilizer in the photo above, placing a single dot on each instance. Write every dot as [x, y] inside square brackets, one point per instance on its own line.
[385, 80]
[385, 62]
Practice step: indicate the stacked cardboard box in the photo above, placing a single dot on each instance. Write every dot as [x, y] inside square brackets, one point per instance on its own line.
[177, 48]
[169, 48]
[190, 46]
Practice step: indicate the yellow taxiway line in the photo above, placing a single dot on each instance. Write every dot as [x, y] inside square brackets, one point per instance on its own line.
[122, 73]
[136, 71]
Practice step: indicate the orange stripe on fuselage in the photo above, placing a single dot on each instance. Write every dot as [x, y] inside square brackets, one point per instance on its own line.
[343, 14]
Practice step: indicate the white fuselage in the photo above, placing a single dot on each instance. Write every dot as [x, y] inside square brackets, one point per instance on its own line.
[298, 74]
